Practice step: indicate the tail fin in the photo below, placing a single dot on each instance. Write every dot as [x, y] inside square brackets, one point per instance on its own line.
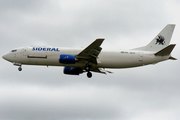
[161, 41]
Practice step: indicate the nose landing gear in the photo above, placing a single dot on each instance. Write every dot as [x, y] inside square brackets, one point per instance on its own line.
[18, 64]
[20, 68]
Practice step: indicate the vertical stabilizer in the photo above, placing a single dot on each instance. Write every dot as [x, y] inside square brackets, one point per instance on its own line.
[161, 41]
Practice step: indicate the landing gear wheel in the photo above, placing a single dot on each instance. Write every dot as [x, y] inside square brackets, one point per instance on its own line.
[89, 74]
[20, 68]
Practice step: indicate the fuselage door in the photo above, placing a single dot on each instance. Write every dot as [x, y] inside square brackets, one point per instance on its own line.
[141, 54]
[37, 53]
[25, 51]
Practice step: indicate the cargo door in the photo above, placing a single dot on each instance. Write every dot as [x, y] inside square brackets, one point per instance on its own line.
[39, 53]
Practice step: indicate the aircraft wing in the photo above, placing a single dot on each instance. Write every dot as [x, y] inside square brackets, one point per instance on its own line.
[91, 52]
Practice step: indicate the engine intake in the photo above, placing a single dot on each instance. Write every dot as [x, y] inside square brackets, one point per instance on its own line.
[67, 59]
[72, 70]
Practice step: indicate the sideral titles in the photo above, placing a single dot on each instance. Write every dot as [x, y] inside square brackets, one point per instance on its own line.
[45, 49]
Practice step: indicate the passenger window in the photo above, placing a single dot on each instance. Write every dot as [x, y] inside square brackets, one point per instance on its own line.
[13, 50]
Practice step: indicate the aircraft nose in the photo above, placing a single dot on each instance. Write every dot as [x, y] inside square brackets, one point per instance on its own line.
[4, 56]
[7, 57]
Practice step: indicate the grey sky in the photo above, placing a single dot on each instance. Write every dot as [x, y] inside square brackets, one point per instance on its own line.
[41, 93]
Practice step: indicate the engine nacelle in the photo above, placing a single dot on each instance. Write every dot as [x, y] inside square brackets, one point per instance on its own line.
[72, 70]
[67, 59]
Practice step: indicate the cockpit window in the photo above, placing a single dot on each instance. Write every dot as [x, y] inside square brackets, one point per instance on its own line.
[13, 50]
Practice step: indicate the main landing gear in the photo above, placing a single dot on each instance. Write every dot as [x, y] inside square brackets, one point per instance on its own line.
[20, 68]
[89, 74]
[87, 68]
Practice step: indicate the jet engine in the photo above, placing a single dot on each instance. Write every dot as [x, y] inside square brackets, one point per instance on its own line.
[72, 70]
[67, 59]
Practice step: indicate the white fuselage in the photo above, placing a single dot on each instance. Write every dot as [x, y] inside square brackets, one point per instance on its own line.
[93, 57]
[106, 59]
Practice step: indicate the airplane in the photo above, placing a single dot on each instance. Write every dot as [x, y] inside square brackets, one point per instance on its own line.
[93, 58]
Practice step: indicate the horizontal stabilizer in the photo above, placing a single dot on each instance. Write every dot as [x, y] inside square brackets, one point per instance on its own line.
[166, 51]
[172, 58]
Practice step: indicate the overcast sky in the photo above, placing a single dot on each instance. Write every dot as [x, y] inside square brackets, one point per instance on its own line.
[40, 93]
